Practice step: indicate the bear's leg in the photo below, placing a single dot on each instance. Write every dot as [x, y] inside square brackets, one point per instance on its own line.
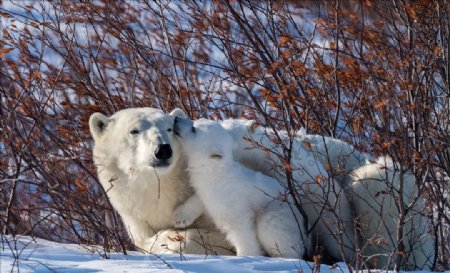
[242, 235]
[189, 241]
[281, 234]
[186, 213]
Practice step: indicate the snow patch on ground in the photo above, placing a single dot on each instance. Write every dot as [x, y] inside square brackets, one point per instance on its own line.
[25, 254]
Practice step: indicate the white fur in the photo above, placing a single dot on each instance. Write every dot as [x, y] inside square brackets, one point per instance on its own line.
[143, 189]
[374, 186]
[371, 186]
[338, 157]
[324, 202]
[146, 195]
[249, 207]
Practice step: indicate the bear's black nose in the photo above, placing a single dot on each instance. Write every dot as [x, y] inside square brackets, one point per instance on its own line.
[163, 152]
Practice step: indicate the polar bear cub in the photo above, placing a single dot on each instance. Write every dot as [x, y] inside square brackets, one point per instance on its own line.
[323, 200]
[249, 207]
[377, 202]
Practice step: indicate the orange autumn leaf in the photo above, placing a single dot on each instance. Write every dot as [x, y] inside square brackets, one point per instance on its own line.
[307, 145]
[4, 51]
[283, 40]
[81, 187]
[318, 179]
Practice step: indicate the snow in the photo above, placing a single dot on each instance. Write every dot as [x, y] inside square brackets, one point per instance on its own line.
[39, 255]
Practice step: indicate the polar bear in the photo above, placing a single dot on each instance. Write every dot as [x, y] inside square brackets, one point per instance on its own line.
[142, 169]
[373, 186]
[378, 206]
[146, 190]
[251, 208]
[324, 202]
[371, 190]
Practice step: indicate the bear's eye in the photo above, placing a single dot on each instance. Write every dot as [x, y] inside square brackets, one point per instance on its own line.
[134, 132]
[193, 129]
[169, 130]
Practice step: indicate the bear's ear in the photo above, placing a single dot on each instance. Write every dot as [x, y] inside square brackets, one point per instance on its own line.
[177, 112]
[97, 124]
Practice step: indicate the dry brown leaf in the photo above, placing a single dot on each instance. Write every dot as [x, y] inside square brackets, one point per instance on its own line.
[4, 51]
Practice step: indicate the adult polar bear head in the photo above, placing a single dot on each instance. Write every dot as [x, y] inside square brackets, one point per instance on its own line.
[136, 139]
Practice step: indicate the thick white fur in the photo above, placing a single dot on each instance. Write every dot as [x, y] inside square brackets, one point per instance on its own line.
[373, 186]
[143, 192]
[205, 240]
[249, 207]
[145, 197]
[364, 180]
[338, 157]
[324, 202]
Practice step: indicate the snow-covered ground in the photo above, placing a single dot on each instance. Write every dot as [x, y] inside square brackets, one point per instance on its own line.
[27, 255]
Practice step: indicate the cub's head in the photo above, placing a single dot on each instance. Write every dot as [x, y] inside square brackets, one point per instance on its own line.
[135, 139]
[204, 139]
